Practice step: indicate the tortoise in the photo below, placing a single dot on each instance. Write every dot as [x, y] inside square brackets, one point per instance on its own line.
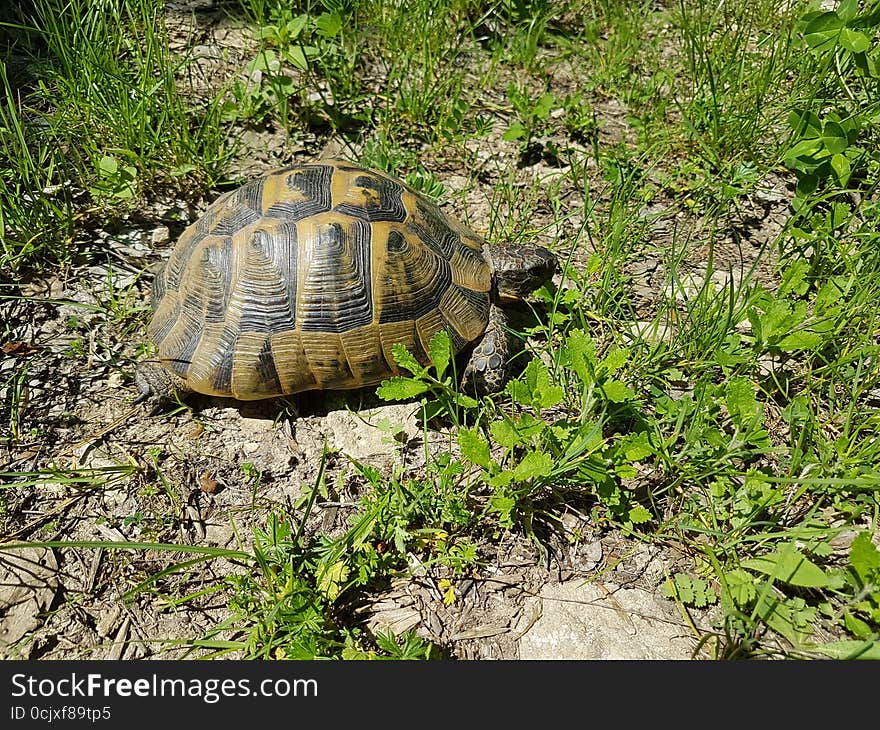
[306, 277]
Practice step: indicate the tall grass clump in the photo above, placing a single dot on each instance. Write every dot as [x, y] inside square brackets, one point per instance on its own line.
[737, 57]
[99, 118]
[36, 205]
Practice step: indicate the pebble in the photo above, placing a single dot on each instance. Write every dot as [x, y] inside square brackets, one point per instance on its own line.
[160, 235]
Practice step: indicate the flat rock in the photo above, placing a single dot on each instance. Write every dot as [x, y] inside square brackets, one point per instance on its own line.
[28, 583]
[373, 436]
[590, 621]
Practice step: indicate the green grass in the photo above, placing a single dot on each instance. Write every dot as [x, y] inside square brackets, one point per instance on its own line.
[98, 121]
[734, 421]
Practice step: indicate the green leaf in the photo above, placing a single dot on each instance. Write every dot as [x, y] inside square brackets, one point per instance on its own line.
[563, 432]
[705, 596]
[534, 464]
[549, 396]
[834, 137]
[267, 31]
[794, 279]
[739, 394]
[680, 587]
[182, 169]
[728, 359]
[514, 131]
[503, 506]
[108, 165]
[830, 293]
[806, 185]
[805, 122]
[440, 351]
[849, 649]
[501, 479]
[529, 426]
[865, 558]
[617, 392]
[328, 24]
[867, 65]
[400, 388]
[841, 167]
[822, 31]
[613, 361]
[296, 26]
[788, 618]
[330, 578]
[637, 446]
[847, 9]
[296, 55]
[465, 401]
[856, 626]
[790, 566]
[626, 471]
[741, 586]
[801, 340]
[854, 41]
[780, 318]
[506, 434]
[532, 376]
[537, 378]
[544, 105]
[581, 352]
[519, 392]
[474, 447]
[806, 154]
[405, 359]
[265, 61]
[690, 591]
[639, 515]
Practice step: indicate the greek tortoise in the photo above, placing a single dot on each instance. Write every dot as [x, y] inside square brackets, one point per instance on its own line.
[306, 277]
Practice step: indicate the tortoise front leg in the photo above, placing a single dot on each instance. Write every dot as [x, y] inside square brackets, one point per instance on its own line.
[489, 366]
[156, 385]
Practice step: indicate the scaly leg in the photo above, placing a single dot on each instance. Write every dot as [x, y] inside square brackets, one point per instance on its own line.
[489, 366]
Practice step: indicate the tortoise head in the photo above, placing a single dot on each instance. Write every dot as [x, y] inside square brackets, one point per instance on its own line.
[519, 269]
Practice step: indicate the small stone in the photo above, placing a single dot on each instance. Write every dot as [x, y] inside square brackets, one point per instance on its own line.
[843, 541]
[114, 498]
[374, 435]
[160, 235]
[585, 621]
[255, 426]
[108, 620]
[587, 556]
[28, 583]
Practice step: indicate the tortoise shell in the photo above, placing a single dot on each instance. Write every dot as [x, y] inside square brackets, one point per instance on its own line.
[306, 278]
